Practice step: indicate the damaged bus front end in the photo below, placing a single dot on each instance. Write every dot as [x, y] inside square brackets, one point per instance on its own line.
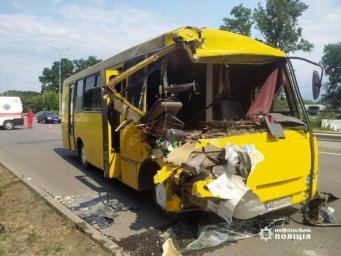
[220, 125]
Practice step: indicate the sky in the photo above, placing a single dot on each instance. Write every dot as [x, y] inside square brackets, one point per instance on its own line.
[103, 28]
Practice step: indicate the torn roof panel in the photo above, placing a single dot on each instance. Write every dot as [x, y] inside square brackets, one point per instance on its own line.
[211, 45]
[224, 46]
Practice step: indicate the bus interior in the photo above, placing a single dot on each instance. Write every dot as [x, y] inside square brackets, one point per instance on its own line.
[208, 96]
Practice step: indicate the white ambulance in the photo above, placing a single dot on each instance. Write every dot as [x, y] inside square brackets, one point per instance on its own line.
[11, 112]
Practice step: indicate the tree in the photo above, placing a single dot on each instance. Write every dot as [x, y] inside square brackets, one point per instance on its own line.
[82, 64]
[36, 103]
[51, 101]
[50, 76]
[331, 61]
[279, 27]
[242, 21]
[277, 24]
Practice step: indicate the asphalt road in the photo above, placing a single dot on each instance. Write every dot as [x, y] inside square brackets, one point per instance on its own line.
[37, 154]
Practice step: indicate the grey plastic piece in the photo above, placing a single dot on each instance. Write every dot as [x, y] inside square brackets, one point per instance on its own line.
[274, 128]
[249, 206]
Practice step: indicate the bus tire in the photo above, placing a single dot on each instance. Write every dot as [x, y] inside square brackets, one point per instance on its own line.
[82, 155]
[147, 172]
[159, 196]
[8, 125]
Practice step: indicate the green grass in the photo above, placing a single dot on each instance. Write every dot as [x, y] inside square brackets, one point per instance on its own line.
[32, 237]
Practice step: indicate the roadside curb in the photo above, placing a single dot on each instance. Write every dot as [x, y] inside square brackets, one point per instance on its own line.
[329, 150]
[328, 136]
[107, 244]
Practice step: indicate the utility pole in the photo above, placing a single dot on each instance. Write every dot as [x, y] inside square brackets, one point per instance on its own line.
[59, 76]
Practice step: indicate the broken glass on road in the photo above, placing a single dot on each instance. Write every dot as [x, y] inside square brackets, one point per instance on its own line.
[101, 213]
[185, 237]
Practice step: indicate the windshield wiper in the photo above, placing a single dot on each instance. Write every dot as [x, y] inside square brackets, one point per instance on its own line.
[276, 121]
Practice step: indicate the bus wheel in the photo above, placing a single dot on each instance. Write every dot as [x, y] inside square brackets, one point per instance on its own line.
[82, 155]
[8, 125]
[160, 198]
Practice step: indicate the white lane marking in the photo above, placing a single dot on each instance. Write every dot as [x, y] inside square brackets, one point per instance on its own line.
[328, 153]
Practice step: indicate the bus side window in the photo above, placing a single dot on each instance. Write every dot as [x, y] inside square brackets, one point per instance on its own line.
[92, 94]
[136, 83]
[79, 96]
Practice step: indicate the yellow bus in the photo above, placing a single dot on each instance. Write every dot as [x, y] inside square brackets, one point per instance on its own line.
[208, 119]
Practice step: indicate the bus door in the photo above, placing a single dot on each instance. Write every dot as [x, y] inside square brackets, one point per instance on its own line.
[111, 138]
[134, 148]
[71, 135]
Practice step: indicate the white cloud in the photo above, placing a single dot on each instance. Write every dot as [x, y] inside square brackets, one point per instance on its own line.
[86, 31]
[114, 29]
[320, 25]
[94, 28]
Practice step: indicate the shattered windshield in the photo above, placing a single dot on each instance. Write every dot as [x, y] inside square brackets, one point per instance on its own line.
[228, 99]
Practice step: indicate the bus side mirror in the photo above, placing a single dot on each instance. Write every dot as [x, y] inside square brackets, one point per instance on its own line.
[316, 85]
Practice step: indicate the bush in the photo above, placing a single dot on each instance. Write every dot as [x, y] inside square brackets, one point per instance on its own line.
[327, 115]
[316, 121]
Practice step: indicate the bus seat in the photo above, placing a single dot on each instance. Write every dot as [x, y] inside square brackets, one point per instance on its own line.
[231, 109]
[162, 106]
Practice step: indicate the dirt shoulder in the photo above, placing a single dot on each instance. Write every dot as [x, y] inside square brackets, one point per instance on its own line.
[33, 228]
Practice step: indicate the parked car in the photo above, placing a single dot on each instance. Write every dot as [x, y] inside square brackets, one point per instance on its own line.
[36, 115]
[48, 117]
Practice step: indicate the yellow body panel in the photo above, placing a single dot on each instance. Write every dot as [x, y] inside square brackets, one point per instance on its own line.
[87, 125]
[130, 172]
[173, 204]
[218, 46]
[65, 138]
[134, 150]
[284, 170]
[218, 42]
[164, 173]
[199, 189]
[64, 118]
[115, 166]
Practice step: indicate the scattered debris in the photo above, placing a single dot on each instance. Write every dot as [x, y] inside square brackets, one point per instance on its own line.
[231, 187]
[186, 238]
[181, 154]
[169, 248]
[327, 213]
[66, 200]
[102, 214]
[216, 177]
[317, 212]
